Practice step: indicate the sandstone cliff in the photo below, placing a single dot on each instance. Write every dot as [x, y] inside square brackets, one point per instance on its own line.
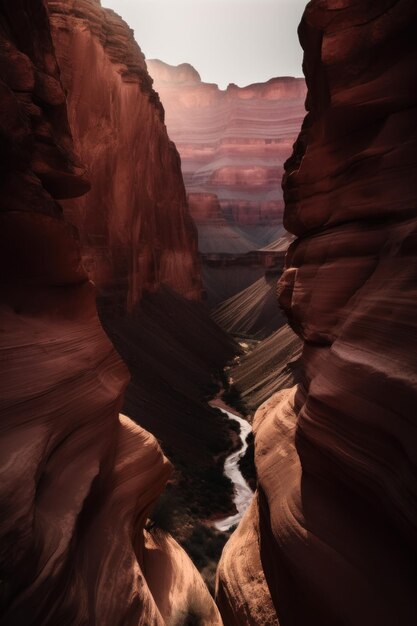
[77, 480]
[139, 243]
[336, 520]
[252, 312]
[135, 229]
[232, 143]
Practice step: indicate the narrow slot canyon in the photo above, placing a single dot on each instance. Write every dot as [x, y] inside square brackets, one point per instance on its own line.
[208, 371]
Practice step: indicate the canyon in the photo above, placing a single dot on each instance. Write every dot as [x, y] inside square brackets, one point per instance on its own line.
[112, 446]
[233, 144]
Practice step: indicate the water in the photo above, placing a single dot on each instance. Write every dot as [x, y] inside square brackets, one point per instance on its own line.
[243, 493]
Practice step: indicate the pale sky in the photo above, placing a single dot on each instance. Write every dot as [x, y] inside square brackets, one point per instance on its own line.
[227, 41]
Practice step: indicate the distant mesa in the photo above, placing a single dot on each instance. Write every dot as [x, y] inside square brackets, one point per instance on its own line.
[177, 74]
[233, 143]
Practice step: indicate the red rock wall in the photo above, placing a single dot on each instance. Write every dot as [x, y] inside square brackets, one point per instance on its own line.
[76, 479]
[134, 225]
[336, 455]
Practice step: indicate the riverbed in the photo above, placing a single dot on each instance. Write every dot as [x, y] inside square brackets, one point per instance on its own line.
[243, 494]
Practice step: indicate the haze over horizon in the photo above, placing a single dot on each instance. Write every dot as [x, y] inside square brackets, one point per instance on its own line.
[227, 41]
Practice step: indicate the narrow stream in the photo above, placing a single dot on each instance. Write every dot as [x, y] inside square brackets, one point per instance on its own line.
[243, 493]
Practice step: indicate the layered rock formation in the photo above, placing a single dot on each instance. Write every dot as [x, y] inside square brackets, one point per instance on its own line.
[77, 480]
[233, 145]
[335, 455]
[229, 278]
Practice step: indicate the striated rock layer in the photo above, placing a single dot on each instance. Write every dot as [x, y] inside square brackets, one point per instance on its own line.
[233, 145]
[252, 313]
[138, 240]
[77, 480]
[335, 455]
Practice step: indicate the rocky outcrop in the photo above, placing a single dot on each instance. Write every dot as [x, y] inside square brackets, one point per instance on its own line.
[252, 313]
[214, 229]
[176, 351]
[77, 480]
[335, 455]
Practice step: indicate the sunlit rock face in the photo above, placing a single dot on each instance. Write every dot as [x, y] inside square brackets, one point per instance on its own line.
[135, 229]
[336, 455]
[77, 479]
[233, 143]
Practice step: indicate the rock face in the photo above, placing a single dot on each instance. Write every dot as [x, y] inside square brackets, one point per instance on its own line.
[77, 480]
[253, 312]
[335, 455]
[142, 235]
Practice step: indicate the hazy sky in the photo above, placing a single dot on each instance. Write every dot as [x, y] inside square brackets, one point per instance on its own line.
[227, 41]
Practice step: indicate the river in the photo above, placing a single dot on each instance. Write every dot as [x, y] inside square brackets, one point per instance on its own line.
[243, 493]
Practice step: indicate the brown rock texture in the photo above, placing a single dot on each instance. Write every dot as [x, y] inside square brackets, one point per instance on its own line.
[77, 480]
[253, 312]
[135, 229]
[335, 455]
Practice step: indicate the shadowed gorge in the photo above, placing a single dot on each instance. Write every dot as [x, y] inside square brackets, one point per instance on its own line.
[207, 383]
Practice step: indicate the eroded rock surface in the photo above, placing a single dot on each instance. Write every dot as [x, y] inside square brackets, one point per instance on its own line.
[252, 312]
[232, 143]
[335, 455]
[271, 366]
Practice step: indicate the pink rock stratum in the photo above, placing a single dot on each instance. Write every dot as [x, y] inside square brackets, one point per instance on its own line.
[233, 144]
